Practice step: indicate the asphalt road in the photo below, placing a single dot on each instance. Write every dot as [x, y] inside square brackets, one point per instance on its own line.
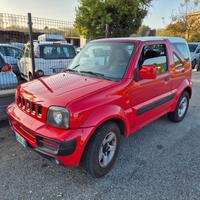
[161, 161]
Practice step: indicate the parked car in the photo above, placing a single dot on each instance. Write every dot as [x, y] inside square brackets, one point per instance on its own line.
[195, 54]
[113, 87]
[12, 55]
[50, 58]
[8, 79]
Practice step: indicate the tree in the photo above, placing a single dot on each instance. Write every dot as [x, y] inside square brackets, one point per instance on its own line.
[186, 23]
[146, 31]
[123, 17]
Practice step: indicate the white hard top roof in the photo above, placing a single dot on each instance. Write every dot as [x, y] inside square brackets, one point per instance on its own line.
[150, 38]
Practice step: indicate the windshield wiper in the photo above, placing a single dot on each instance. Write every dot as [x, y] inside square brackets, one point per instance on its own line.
[70, 70]
[97, 74]
[76, 66]
[92, 73]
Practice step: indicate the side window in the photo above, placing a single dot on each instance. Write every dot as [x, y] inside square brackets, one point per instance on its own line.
[177, 61]
[182, 49]
[154, 55]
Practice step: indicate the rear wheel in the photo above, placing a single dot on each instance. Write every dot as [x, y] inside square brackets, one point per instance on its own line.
[181, 108]
[102, 150]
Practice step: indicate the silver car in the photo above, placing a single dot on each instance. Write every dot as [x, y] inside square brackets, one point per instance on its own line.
[11, 55]
[8, 79]
[195, 54]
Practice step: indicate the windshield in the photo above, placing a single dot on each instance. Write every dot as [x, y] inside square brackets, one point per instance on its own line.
[192, 47]
[104, 59]
[57, 51]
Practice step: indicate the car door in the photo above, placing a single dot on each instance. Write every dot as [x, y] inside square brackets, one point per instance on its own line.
[151, 98]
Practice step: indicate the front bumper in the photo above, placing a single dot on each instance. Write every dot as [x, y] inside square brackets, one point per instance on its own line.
[66, 146]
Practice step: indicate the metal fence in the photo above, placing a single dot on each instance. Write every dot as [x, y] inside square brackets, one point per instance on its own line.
[31, 47]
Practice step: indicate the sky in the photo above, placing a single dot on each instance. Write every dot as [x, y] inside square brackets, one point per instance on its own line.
[65, 10]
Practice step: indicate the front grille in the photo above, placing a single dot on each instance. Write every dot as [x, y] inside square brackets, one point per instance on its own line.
[30, 107]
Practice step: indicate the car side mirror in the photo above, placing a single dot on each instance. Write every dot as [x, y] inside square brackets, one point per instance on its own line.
[148, 72]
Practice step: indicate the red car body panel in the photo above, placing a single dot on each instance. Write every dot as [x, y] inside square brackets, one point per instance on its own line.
[93, 101]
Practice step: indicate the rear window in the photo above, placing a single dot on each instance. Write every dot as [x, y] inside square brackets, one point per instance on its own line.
[57, 51]
[182, 49]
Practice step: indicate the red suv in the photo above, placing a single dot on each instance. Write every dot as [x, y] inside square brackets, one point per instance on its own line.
[113, 87]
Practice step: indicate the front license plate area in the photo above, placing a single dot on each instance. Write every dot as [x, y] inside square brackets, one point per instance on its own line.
[21, 140]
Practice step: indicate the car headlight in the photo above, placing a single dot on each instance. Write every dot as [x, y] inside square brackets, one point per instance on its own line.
[58, 117]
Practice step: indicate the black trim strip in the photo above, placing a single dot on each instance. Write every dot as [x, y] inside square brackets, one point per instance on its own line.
[155, 104]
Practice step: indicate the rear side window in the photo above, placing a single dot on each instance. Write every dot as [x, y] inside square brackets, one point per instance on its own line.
[182, 49]
[155, 55]
[56, 51]
[177, 61]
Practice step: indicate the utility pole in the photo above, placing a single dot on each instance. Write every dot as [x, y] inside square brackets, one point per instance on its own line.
[31, 42]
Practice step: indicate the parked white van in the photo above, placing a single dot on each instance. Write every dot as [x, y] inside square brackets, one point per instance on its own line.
[50, 57]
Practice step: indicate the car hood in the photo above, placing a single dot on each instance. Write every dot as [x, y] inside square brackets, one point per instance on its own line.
[61, 89]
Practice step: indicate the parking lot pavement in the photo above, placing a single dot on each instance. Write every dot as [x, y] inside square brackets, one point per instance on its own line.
[161, 161]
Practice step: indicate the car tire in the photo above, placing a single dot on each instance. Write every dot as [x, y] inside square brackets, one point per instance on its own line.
[181, 108]
[102, 150]
[198, 68]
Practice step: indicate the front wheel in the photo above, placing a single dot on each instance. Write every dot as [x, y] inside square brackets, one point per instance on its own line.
[181, 108]
[102, 150]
